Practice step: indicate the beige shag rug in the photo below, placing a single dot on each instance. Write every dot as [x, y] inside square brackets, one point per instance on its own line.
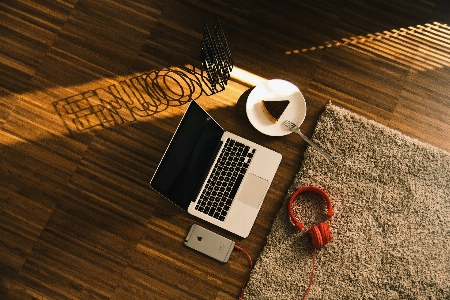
[391, 223]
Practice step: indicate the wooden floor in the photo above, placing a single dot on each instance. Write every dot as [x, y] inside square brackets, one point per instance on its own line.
[79, 142]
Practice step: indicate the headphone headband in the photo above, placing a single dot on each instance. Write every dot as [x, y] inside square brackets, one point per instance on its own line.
[324, 195]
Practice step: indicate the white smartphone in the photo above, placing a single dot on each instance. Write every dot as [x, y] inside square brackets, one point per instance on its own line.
[209, 243]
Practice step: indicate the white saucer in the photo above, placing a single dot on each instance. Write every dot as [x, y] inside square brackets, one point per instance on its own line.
[275, 90]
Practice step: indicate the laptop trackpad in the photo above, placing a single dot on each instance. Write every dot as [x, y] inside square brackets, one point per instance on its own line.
[252, 190]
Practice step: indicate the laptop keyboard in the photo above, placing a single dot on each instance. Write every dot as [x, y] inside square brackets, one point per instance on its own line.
[225, 179]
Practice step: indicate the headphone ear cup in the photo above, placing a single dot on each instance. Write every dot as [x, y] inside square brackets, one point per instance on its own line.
[316, 237]
[325, 232]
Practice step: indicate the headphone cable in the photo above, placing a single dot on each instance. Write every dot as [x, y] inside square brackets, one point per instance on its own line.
[249, 271]
[312, 276]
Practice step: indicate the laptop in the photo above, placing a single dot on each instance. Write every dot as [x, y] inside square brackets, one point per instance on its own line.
[213, 174]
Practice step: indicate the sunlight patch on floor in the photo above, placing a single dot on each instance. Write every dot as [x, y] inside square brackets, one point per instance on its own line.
[421, 47]
[246, 77]
[110, 102]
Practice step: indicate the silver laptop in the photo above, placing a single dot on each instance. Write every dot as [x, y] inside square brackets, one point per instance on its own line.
[213, 174]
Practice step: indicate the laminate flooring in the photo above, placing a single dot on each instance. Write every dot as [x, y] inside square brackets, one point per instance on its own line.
[91, 92]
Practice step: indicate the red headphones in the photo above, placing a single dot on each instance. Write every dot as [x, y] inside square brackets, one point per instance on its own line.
[320, 234]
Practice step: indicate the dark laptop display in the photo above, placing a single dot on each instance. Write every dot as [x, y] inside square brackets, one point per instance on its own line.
[188, 157]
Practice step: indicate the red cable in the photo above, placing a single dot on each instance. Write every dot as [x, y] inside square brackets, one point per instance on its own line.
[249, 271]
[320, 236]
[312, 276]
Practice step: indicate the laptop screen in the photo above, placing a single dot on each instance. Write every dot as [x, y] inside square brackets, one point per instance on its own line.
[188, 157]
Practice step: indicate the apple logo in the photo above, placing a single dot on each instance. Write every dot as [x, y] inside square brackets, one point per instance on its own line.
[199, 238]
